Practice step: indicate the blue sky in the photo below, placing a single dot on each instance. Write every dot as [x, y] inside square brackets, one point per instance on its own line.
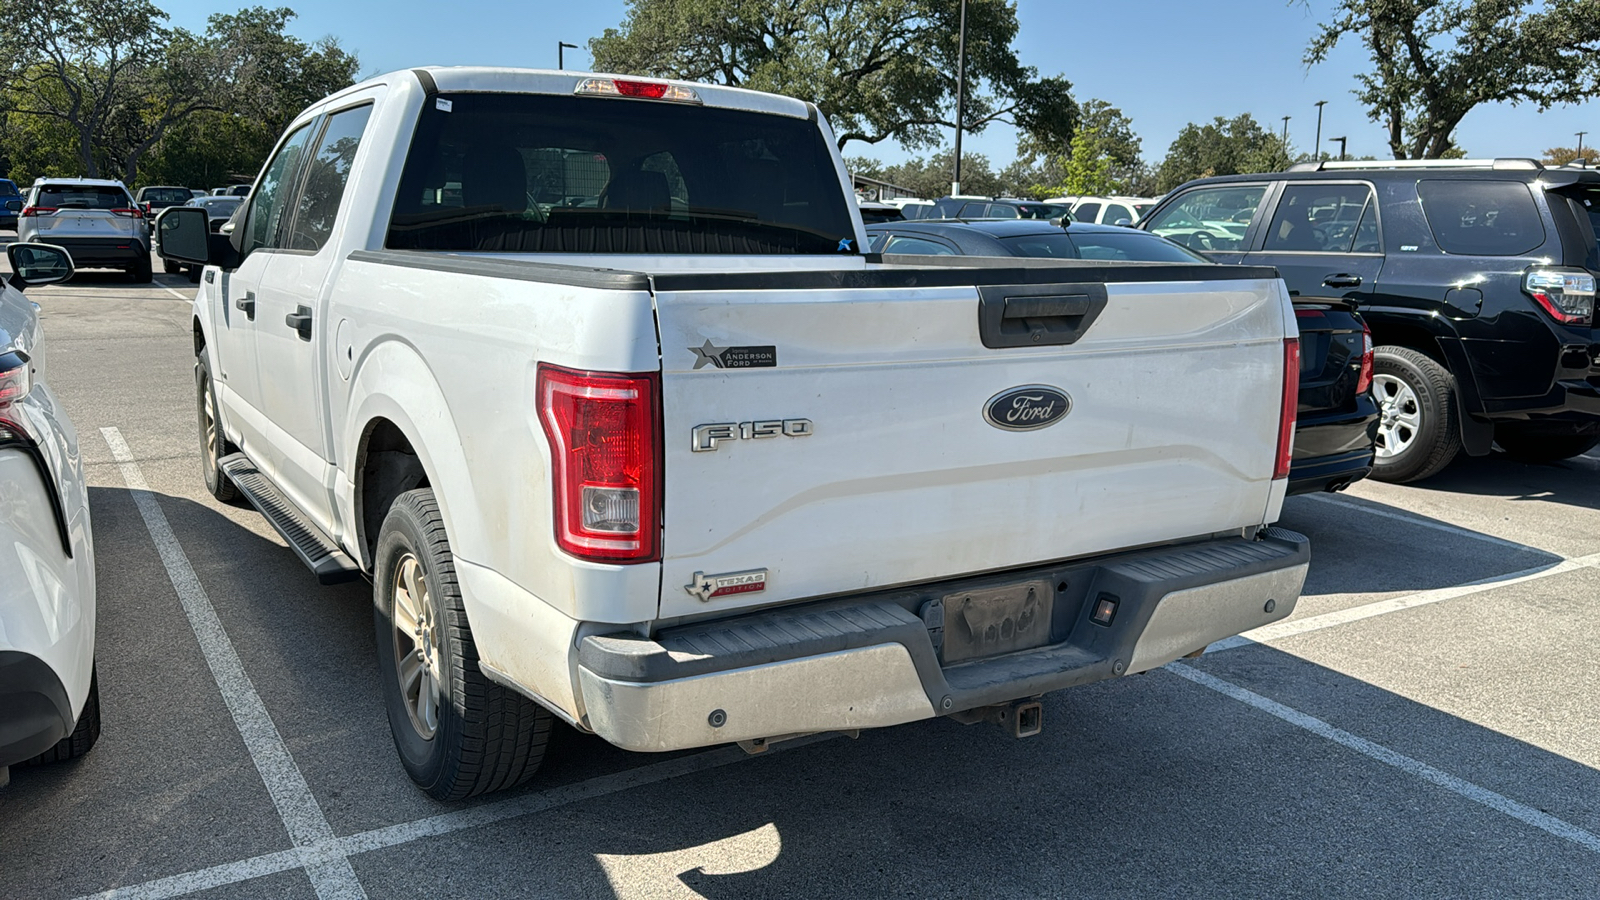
[1164, 62]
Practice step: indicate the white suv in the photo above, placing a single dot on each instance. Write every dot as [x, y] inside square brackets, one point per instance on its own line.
[95, 220]
[1111, 210]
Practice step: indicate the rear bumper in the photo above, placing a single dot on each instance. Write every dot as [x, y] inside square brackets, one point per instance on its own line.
[90, 253]
[874, 660]
[1333, 451]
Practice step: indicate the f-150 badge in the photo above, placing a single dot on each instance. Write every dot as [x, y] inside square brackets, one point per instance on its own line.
[709, 354]
[707, 437]
[710, 587]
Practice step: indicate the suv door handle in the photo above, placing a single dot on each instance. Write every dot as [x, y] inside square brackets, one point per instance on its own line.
[247, 305]
[1342, 280]
[300, 320]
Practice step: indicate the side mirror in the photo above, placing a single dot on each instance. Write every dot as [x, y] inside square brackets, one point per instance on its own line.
[183, 233]
[14, 205]
[37, 264]
[1125, 223]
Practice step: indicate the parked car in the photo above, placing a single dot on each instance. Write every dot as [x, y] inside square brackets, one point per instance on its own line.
[219, 192]
[49, 697]
[880, 212]
[999, 208]
[1110, 210]
[10, 203]
[196, 193]
[96, 221]
[1477, 278]
[1337, 417]
[915, 209]
[238, 190]
[154, 198]
[579, 559]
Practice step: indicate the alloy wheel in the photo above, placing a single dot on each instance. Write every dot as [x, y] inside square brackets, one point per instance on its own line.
[416, 646]
[1399, 415]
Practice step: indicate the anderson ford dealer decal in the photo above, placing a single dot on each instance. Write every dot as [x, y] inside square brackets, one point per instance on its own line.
[709, 354]
[710, 587]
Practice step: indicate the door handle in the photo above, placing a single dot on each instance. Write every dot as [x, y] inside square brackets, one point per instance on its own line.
[247, 305]
[300, 320]
[1342, 280]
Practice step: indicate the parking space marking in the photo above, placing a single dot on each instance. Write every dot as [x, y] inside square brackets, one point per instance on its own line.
[1459, 786]
[444, 823]
[174, 293]
[1277, 631]
[1435, 524]
[297, 807]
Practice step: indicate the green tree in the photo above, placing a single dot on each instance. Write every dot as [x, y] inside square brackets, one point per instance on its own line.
[1088, 167]
[1045, 171]
[1222, 147]
[1434, 61]
[878, 69]
[1560, 156]
[929, 176]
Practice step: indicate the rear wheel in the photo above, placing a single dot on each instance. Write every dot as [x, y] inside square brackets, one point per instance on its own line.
[1533, 445]
[139, 270]
[213, 443]
[458, 733]
[1418, 432]
[83, 735]
[170, 267]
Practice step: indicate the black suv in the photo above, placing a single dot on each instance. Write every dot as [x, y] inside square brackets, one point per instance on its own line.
[1477, 278]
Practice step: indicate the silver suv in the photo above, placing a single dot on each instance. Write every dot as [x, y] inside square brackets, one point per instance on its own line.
[94, 219]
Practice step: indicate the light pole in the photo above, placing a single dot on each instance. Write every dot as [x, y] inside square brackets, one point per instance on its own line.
[561, 46]
[961, 85]
[1341, 147]
[1320, 105]
[1286, 134]
[1580, 143]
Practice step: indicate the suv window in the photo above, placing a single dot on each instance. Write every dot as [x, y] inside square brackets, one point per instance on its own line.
[267, 206]
[1319, 218]
[1210, 218]
[1116, 212]
[81, 196]
[541, 173]
[973, 211]
[165, 195]
[1482, 218]
[327, 172]
[1086, 212]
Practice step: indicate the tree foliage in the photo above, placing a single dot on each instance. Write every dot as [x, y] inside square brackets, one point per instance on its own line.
[1560, 156]
[878, 69]
[95, 87]
[1434, 61]
[1222, 147]
[929, 176]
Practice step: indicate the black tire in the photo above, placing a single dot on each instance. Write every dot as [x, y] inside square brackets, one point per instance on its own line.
[139, 270]
[1532, 445]
[213, 443]
[1436, 439]
[482, 736]
[193, 274]
[170, 267]
[83, 735]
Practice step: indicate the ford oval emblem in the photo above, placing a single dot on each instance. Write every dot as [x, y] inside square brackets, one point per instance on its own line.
[1027, 408]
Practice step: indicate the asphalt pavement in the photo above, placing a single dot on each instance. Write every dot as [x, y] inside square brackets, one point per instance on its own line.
[1424, 725]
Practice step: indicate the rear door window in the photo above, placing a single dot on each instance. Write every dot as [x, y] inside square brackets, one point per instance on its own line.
[1319, 218]
[974, 211]
[1482, 218]
[556, 174]
[1086, 212]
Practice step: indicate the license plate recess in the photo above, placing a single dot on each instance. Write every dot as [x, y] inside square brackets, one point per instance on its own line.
[995, 620]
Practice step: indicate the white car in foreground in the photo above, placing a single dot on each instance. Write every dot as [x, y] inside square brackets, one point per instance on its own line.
[49, 703]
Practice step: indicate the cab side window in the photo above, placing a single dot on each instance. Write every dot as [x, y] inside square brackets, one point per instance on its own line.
[327, 173]
[267, 203]
[1321, 218]
[1209, 218]
[1086, 212]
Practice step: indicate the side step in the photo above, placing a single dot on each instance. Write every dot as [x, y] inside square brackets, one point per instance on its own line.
[318, 551]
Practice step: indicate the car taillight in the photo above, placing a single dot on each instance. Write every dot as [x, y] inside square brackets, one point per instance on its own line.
[644, 90]
[1566, 294]
[1291, 402]
[129, 213]
[16, 380]
[31, 211]
[604, 430]
[1364, 380]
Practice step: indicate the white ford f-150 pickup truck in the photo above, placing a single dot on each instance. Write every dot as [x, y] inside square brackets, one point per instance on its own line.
[590, 377]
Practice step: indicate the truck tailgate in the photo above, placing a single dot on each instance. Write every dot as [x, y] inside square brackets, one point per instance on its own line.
[878, 466]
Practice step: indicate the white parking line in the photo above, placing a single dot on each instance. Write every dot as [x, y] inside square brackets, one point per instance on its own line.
[174, 293]
[1277, 631]
[1426, 523]
[302, 816]
[1459, 786]
[433, 826]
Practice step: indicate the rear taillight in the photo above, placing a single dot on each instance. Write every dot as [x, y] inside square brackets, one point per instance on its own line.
[31, 211]
[643, 90]
[1566, 294]
[129, 213]
[605, 447]
[1286, 413]
[1364, 380]
[16, 380]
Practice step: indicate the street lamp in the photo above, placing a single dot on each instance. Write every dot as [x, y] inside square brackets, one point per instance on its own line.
[561, 46]
[961, 84]
[1286, 135]
[1320, 105]
[1341, 147]
[1580, 143]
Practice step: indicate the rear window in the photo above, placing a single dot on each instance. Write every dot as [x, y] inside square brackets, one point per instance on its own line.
[166, 195]
[551, 174]
[74, 196]
[1482, 218]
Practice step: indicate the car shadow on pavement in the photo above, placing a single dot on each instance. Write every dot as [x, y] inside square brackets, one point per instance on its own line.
[1574, 482]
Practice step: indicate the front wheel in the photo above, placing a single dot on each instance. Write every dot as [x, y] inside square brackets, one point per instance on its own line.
[213, 444]
[1418, 429]
[458, 733]
[1532, 445]
[139, 271]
